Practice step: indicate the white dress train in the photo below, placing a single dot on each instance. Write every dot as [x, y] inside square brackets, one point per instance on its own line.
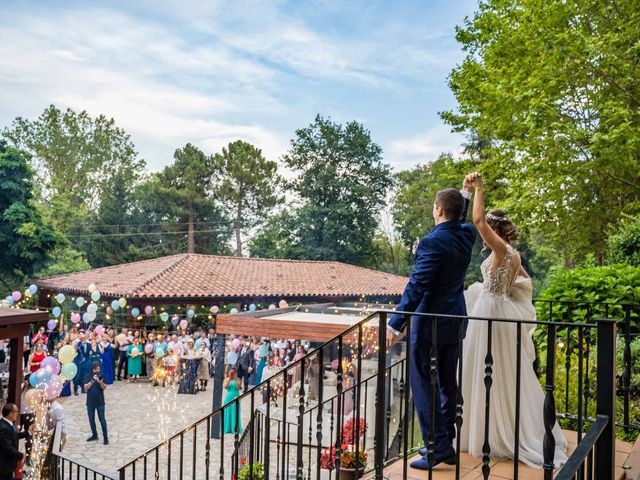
[503, 294]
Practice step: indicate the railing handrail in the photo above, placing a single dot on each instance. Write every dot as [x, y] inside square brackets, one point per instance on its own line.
[585, 302]
[345, 333]
[577, 458]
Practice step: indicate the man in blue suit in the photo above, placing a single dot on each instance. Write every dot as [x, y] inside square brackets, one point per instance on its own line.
[436, 286]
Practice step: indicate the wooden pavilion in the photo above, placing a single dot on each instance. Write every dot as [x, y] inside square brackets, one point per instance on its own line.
[14, 325]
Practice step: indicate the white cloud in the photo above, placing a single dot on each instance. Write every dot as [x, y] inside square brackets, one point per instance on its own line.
[209, 72]
[161, 90]
[423, 148]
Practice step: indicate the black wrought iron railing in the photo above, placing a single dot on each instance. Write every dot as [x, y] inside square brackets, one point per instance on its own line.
[61, 467]
[345, 409]
[627, 317]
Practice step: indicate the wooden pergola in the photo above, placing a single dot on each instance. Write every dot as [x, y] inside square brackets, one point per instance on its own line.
[311, 322]
[14, 325]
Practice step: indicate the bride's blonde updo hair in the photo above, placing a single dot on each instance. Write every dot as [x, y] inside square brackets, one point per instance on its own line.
[502, 225]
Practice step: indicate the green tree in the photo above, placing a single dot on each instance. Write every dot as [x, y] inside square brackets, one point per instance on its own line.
[188, 184]
[75, 157]
[247, 186]
[556, 85]
[163, 220]
[26, 241]
[278, 238]
[64, 259]
[183, 193]
[341, 183]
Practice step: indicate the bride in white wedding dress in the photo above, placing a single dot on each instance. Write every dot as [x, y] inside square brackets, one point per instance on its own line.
[505, 293]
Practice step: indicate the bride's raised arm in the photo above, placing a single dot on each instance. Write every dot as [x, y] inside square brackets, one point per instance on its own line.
[489, 237]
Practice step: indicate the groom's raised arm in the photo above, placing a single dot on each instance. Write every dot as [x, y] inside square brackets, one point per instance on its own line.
[467, 200]
[428, 259]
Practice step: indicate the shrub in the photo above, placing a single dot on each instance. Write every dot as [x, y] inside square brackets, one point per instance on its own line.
[609, 284]
[623, 246]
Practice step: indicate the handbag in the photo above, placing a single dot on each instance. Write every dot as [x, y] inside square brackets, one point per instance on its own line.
[17, 474]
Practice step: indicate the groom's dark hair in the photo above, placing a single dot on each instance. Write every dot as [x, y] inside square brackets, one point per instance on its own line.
[451, 202]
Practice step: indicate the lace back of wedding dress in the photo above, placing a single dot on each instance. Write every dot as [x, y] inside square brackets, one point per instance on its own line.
[502, 279]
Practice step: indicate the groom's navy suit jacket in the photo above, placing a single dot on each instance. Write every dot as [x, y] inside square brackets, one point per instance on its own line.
[436, 284]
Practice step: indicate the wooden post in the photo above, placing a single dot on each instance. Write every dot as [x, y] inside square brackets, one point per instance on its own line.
[15, 370]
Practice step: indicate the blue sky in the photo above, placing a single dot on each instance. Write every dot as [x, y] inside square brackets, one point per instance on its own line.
[211, 72]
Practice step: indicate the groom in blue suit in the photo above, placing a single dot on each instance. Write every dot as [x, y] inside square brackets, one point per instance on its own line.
[436, 286]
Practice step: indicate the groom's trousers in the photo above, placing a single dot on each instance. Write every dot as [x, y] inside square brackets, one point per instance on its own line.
[444, 430]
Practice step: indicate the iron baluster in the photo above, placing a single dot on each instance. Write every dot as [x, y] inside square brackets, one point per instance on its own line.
[379, 442]
[181, 452]
[407, 403]
[236, 437]
[283, 473]
[207, 451]
[567, 364]
[549, 411]
[358, 397]
[516, 445]
[267, 432]
[320, 407]
[626, 377]
[433, 379]
[459, 399]
[488, 381]
[300, 432]
[580, 374]
[221, 437]
[339, 397]
[251, 432]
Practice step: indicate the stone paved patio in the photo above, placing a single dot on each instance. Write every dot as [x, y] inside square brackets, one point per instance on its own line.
[139, 416]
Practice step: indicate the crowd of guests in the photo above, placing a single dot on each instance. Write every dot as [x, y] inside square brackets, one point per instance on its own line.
[129, 355]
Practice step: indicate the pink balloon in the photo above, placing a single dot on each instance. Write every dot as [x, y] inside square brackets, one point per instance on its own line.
[16, 296]
[51, 364]
[100, 330]
[53, 388]
[148, 309]
[75, 318]
[148, 348]
[184, 323]
[235, 343]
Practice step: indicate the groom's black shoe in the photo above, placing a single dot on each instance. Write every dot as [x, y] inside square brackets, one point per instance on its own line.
[423, 463]
[423, 453]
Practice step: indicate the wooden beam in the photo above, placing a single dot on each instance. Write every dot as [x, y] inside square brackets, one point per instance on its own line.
[15, 316]
[14, 331]
[270, 328]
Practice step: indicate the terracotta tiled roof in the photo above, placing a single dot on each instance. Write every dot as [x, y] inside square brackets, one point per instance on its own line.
[207, 276]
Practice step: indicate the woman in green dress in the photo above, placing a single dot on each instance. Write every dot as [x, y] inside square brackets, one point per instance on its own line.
[231, 416]
[134, 352]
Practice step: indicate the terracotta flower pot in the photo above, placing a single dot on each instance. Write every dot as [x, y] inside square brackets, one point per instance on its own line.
[350, 474]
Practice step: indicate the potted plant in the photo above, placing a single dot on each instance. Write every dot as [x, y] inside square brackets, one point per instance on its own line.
[249, 473]
[352, 463]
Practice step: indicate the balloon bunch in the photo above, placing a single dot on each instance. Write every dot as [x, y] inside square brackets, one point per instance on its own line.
[50, 378]
[48, 382]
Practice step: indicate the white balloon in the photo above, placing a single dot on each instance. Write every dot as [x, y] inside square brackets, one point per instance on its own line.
[92, 308]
